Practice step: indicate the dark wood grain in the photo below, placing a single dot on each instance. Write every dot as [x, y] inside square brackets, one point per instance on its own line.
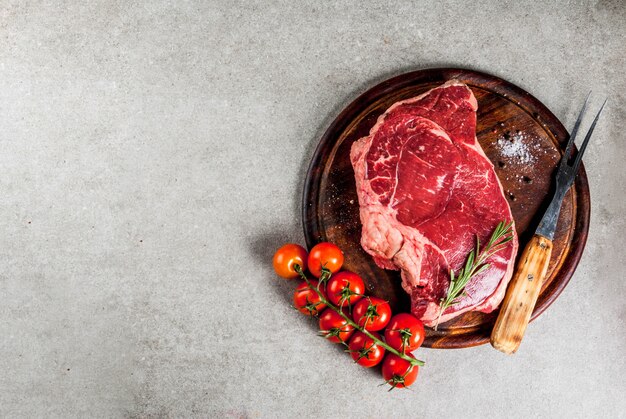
[331, 209]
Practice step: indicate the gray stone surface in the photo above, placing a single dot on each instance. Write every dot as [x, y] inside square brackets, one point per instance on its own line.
[152, 158]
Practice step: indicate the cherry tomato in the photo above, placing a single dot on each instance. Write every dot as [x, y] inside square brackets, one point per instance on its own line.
[398, 372]
[334, 327]
[287, 257]
[307, 300]
[404, 332]
[345, 288]
[365, 351]
[325, 255]
[371, 313]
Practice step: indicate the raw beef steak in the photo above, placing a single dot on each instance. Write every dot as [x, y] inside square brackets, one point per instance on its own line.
[426, 192]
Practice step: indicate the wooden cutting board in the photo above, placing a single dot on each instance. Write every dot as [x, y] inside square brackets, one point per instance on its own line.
[520, 136]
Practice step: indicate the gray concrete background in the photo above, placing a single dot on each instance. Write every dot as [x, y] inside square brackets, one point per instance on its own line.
[152, 158]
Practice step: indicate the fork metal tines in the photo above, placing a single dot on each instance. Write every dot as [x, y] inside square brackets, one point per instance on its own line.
[566, 173]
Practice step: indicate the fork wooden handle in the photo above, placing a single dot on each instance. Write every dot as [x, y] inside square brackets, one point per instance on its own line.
[521, 295]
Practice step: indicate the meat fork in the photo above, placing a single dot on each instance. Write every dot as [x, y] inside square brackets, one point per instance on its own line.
[523, 291]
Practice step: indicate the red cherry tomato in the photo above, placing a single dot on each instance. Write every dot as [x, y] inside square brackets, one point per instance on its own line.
[365, 351]
[371, 313]
[307, 300]
[404, 332]
[325, 255]
[345, 288]
[398, 372]
[287, 257]
[334, 327]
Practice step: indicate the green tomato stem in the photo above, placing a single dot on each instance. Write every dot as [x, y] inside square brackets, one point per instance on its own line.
[330, 305]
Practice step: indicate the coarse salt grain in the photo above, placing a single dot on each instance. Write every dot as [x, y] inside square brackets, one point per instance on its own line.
[516, 148]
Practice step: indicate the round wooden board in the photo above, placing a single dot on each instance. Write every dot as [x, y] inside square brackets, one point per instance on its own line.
[505, 113]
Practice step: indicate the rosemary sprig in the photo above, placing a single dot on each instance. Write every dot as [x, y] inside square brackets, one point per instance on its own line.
[474, 265]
